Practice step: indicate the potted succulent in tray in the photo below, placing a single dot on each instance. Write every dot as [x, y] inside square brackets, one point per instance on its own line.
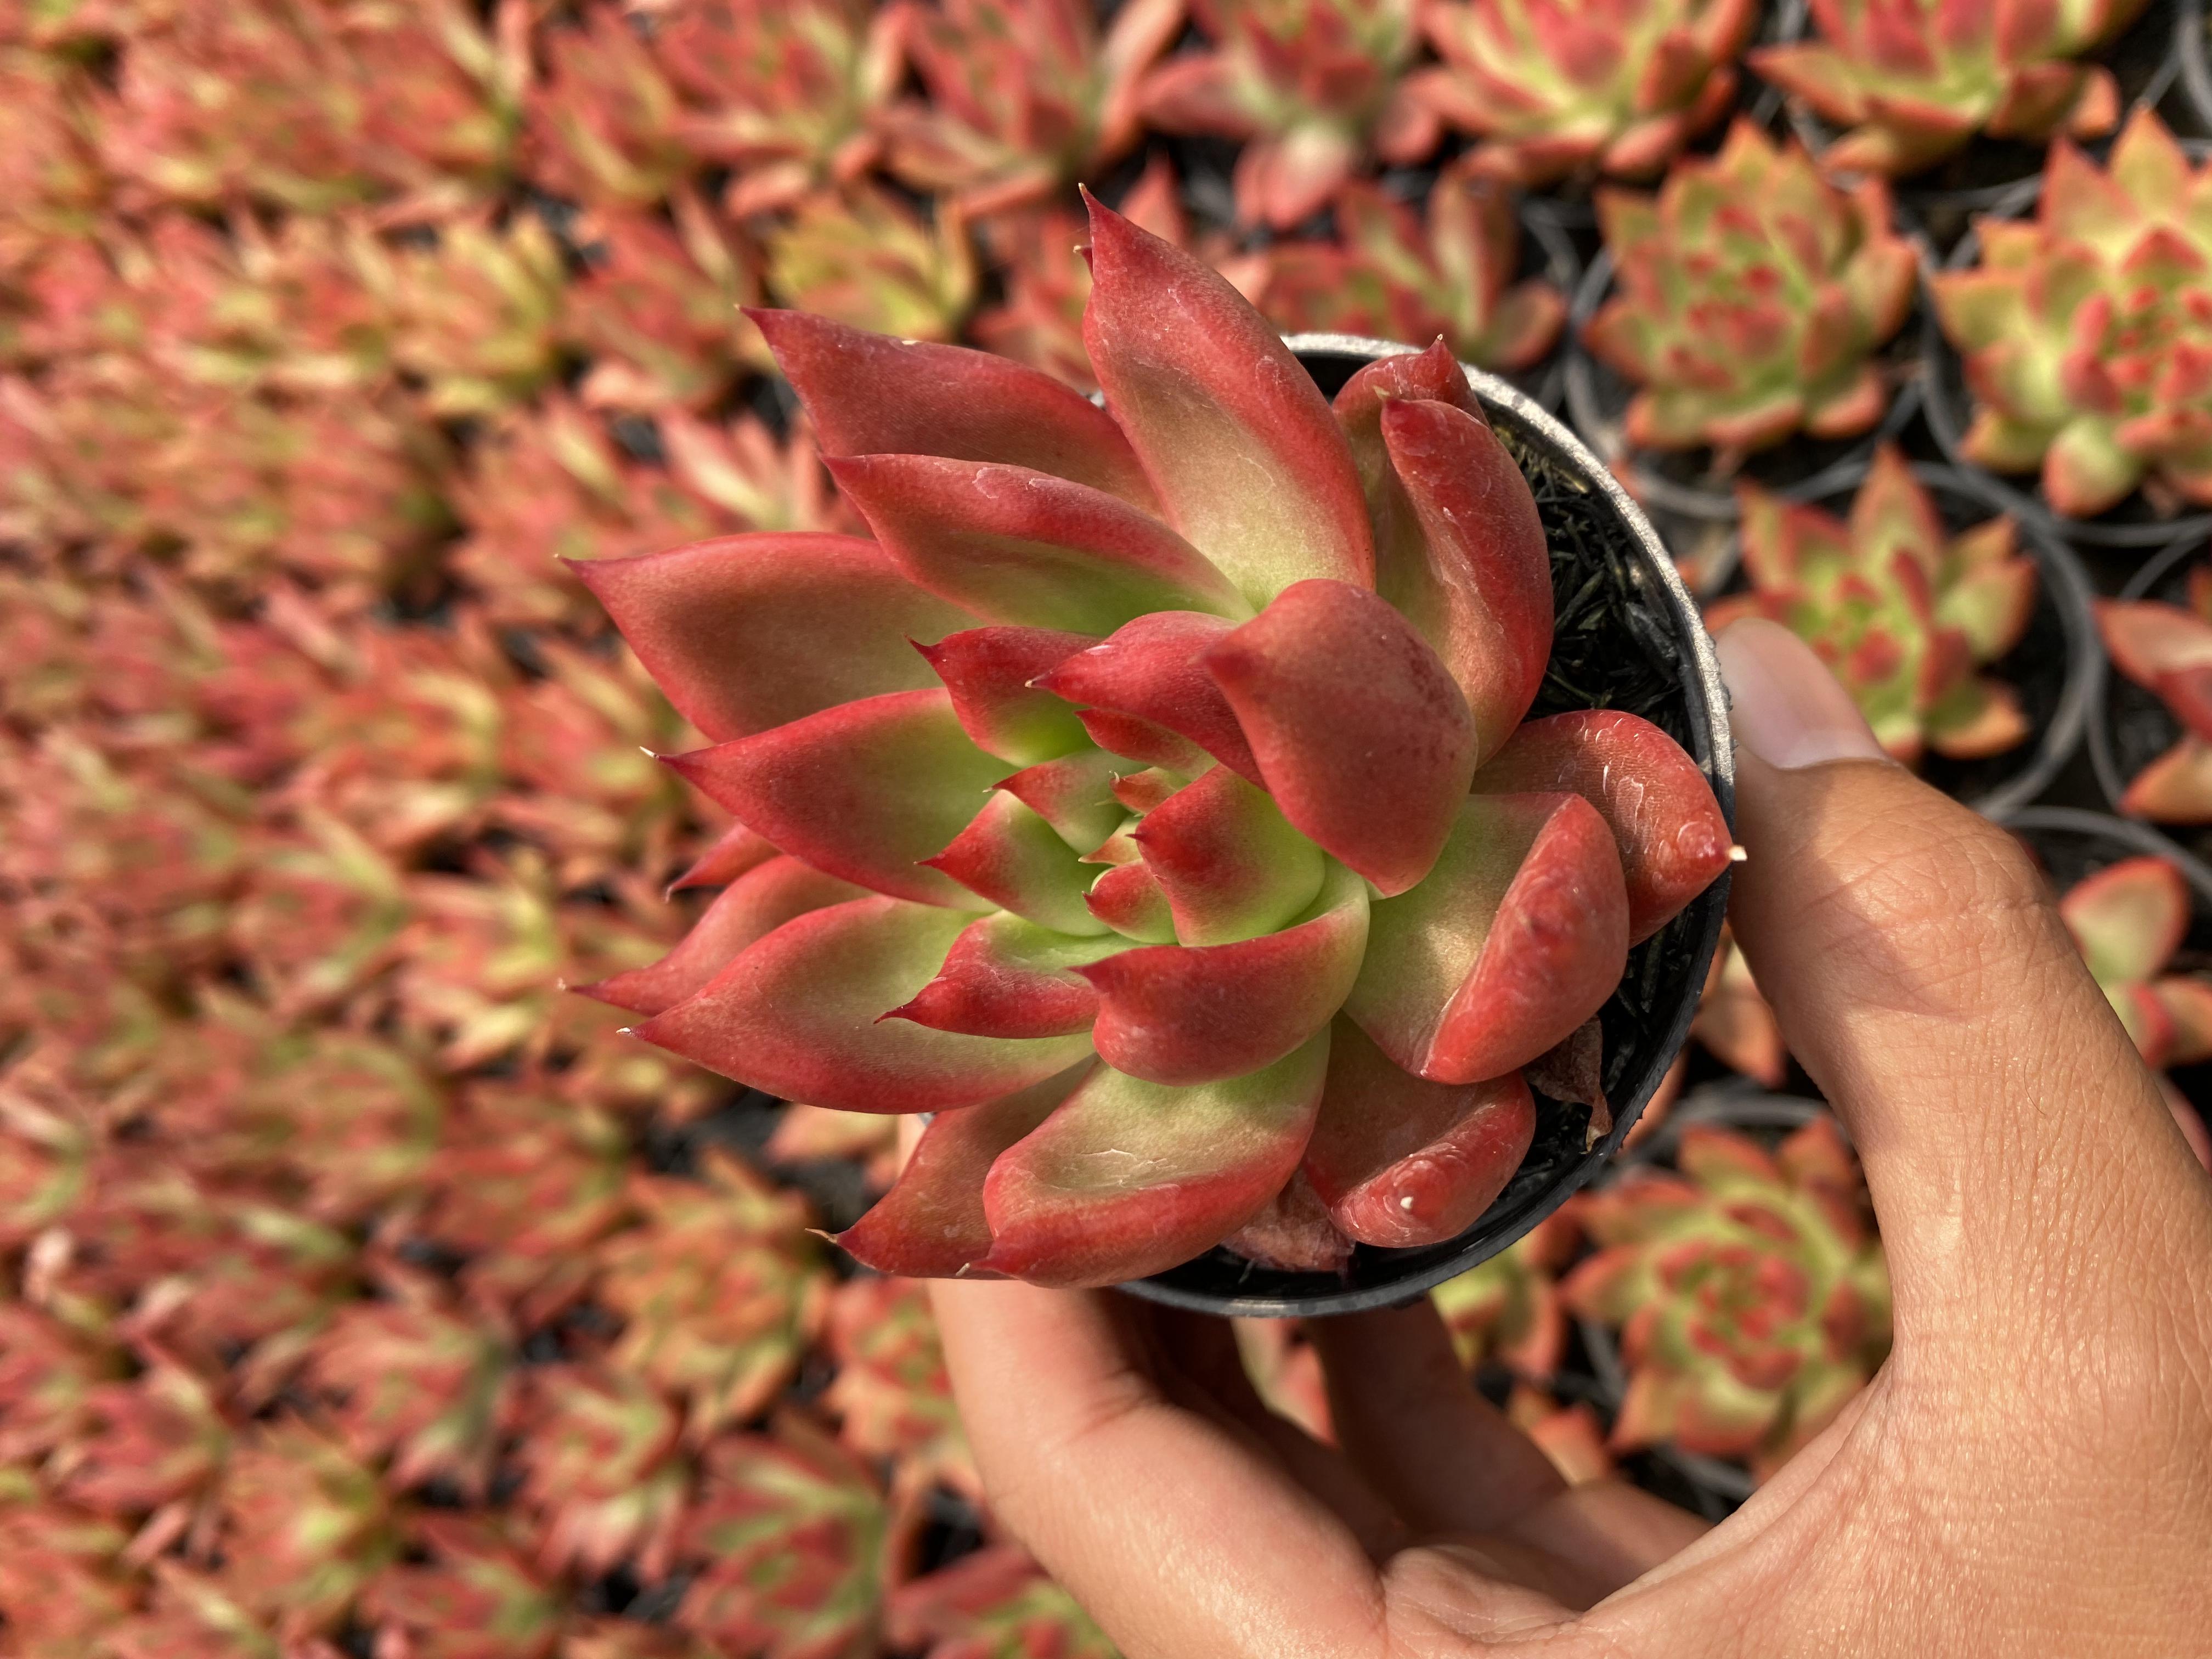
[1154, 799]
[1913, 82]
[1591, 87]
[1750, 300]
[2086, 334]
[1748, 1287]
[1910, 601]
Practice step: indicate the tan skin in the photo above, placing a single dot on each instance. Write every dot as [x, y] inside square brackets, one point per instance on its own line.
[2030, 1474]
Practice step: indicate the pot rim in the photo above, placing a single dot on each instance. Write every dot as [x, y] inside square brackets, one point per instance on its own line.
[1710, 745]
[2132, 833]
[2065, 583]
[1695, 500]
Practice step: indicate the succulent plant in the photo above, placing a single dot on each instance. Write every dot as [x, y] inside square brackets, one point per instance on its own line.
[1750, 1289]
[891, 1396]
[795, 1540]
[1904, 612]
[602, 128]
[659, 310]
[1735, 1023]
[1914, 80]
[1309, 87]
[789, 94]
[1391, 275]
[1143, 937]
[863, 257]
[2087, 331]
[1507, 1310]
[1023, 96]
[2167, 650]
[1558, 87]
[599, 1458]
[1752, 295]
[476, 1596]
[995, 1604]
[2129, 919]
[304, 1527]
[720, 1290]
[417, 1383]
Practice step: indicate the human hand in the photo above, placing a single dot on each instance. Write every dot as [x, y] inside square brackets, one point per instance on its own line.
[2030, 1473]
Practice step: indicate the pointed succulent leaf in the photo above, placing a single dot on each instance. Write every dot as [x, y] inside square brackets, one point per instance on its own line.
[1025, 548]
[1236, 440]
[748, 632]
[1130, 900]
[750, 907]
[2129, 918]
[931, 1224]
[1153, 669]
[1672, 837]
[735, 851]
[1076, 794]
[1230, 865]
[1400, 1161]
[1361, 736]
[1467, 560]
[1516, 938]
[990, 670]
[799, 1014]
[864, 791]
[1013, 858]
[1005, 977]
[1129, 1176]
[869, 394]
[1183, 1015]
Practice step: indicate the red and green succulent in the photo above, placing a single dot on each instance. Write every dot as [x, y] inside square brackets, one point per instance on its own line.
[1269, 879]
[1453, 271]
[2168, 650]
[2130, 920]
[2087, 331]
[1904, 613]
[1749, 1289]
[1915, 80]
[1560, 87]
[1311, 88]
[1751, 297]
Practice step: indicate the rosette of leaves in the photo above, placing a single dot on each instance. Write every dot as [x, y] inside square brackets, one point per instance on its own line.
[2129, 919]
[1024, 95]
[1310, 88]
[1553, 88]
[1750, 1291]
[1915, 79]
[2168, 650]
[1751, 295]
[1180, 773]
[2087, 331]
[1449, 272]
[1904, 612]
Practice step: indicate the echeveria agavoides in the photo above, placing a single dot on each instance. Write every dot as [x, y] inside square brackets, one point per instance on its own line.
[2087, 331]
[1151, 799]
[1902, 611]
[2167, 650]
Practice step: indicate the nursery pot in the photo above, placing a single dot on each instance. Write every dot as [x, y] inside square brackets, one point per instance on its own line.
[1624, 614]
[2192, 63]
[2132, 525]
[1678, 481]
[2129, 727]
[2057, 667]
[1734, 1106]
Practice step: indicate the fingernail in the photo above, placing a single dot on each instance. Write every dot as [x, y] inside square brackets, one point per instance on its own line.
[1786, 708]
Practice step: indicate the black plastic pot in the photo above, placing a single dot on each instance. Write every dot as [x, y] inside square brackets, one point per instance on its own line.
[1977, 178]
[2133, 524]
[2057, 667]
[2194, 76]
[1596, 530]
[1736, 1106]
[1678, 483]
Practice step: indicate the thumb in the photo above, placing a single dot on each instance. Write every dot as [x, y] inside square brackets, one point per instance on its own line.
[2014, 1141]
